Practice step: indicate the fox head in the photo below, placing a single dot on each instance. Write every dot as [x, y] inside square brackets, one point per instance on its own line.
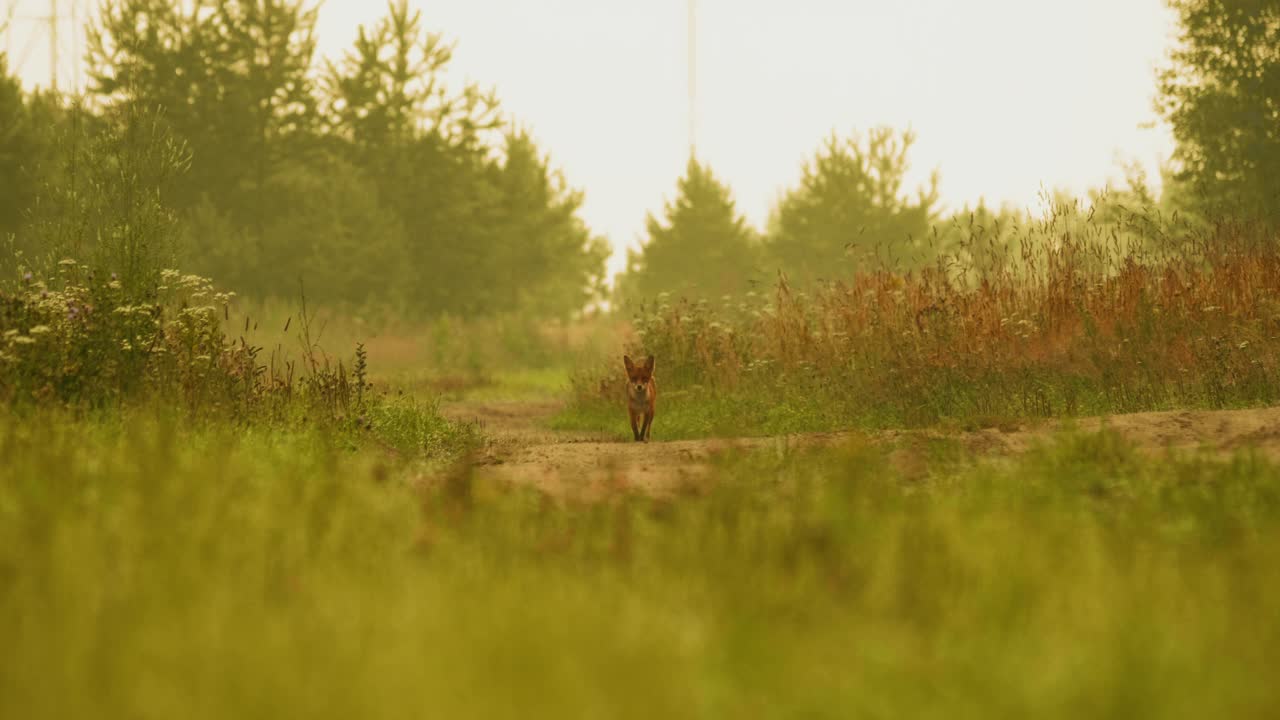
[638, 376]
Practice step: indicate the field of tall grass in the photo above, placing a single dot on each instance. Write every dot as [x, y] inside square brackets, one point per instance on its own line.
[211, 508]
[150, 569]
[1061, 316]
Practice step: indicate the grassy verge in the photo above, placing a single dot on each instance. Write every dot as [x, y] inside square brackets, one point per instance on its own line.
[148, 570]
[816, 405]
[697, 412]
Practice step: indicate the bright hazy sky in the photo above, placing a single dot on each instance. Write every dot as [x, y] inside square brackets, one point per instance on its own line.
[1006, 96]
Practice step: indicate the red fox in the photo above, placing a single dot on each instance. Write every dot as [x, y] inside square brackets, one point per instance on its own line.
[642, 396]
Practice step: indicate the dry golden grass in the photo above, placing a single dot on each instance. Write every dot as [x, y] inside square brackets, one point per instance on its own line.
[1065, 316]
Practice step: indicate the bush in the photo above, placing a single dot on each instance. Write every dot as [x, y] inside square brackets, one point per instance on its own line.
[78, 340]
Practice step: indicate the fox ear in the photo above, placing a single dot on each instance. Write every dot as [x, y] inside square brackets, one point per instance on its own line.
[626, 360]
[650, 363]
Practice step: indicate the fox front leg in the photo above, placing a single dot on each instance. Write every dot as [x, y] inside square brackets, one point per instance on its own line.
[647, 430]
[635, 429]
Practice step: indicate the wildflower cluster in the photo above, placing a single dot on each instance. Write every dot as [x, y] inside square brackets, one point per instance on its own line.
[79, 339]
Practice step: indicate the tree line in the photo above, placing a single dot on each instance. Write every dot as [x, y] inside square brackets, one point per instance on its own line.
[368, 176]
[212, 135]
[1219, 91]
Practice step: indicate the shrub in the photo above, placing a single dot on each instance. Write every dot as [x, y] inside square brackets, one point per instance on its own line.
[78, 339]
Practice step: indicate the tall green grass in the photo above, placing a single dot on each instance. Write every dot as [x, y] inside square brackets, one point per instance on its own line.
[150, 570]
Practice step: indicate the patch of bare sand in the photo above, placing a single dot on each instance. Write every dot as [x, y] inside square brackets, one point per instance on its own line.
[523, 451]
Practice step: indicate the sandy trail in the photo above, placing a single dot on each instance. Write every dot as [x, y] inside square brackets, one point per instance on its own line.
[521, 449]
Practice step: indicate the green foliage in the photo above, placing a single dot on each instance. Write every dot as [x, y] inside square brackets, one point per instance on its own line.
[15, 143]
[29, 125]
[266, 203]
[80, 339]
[330, 228]
[415, 429]
[484, 233]
[548, 261]
[426, 148]
[233, 79]
[850, 203]
[702, 248]
[110, 202]
[121, 328]
[377, 183]
[388, 90]
[151, 570]
[1220, 94]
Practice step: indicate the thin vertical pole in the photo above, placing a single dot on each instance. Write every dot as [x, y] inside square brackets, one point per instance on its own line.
[693, 79]
[75, 44]
[53, 45]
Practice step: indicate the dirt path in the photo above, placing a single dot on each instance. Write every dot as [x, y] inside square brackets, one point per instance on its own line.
[522, 450]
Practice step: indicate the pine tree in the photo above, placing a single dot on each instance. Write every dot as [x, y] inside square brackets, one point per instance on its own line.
[1221, 94]
[15, 152]
[232, 78]
[702, 248]
[486, 231]
[548, 255]
[850, 201]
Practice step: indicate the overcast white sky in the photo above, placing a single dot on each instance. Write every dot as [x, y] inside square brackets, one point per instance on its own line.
[1005, 95]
